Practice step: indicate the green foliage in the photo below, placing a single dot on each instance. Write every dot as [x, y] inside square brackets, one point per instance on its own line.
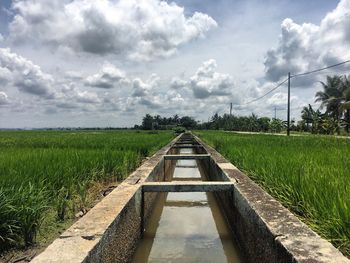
[335, 98]
[308, 174]
[179, 130]
[251, 123]
[8, 223]
[157, 122]
[30, 204]
[46, 170]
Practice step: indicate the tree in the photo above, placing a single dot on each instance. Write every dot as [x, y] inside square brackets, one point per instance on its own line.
[345, 103]
[188, 122]
[147, 122]
[335, 97]
[306, 115]
[264, 123]
[276, 125]
[331, 96]
[176, 119]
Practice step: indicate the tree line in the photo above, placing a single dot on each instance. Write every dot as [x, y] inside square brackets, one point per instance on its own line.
[157, 122]
[226, 122]
[334, 98]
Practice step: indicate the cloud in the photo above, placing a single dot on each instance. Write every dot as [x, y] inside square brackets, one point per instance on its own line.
[72, 96]
[3, 98]
[5, 76]
[206, 82]
[140, 89]
[143, 89]
[304, 47]
[66, 105]
[177, 83]
[109, 77]
[138, 30]
[87, 97]
[27, 77]
[149, 103]
[280, 99]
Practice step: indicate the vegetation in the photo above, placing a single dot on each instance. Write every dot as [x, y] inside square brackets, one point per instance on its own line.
[251, 123]
[227, 122]
[308, 174]
[45, 171]
[335, 99]
[157, 122]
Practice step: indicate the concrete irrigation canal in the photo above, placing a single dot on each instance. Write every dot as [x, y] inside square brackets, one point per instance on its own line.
[189, 204]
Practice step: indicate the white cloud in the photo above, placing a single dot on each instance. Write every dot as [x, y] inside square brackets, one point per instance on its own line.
[3, 98]
[145, 88]
[139, 30]
[87, 97]
[5, 75]
[27, 77]
[140, 89]
[307, 46]
[280, 99]
[108, 77]
[177, 83]
[206, 82]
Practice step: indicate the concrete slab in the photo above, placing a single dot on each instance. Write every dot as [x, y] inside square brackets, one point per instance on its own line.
[187, 146]
[186, 156]
[187, 186]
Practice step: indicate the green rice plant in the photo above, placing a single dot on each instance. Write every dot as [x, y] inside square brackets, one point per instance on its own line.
[8, 223]
[51, 171]
[308, 174]
[82, 194]
[62, 202]
[30, 203]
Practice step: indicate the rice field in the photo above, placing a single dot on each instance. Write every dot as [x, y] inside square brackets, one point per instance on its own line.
[45, 171]
[310, 175]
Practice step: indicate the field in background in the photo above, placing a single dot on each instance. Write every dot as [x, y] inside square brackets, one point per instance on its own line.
[310, 175]
[51, 172]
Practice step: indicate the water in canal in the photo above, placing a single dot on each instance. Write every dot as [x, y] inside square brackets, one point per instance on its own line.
[186, 227]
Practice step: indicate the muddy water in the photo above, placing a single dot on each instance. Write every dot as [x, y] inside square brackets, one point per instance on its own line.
[186, 227]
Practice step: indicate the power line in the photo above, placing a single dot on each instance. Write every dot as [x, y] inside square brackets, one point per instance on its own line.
[267, 93]
[320, 69]
[292, 76]
[303, 74]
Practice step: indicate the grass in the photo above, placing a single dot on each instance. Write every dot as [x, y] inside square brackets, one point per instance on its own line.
[308, 174]
[50, 172]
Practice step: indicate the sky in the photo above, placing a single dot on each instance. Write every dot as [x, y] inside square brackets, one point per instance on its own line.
[82, 63]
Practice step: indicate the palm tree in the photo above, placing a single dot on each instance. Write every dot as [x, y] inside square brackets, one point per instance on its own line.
[306, 115]
[345, 103]
[176, 118]
[331, 96]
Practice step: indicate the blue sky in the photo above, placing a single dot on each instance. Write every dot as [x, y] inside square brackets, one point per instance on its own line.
[107, 63]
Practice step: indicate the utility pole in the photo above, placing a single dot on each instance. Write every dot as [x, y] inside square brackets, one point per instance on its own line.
[231, 109]
[288, 110]
[275, 113]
